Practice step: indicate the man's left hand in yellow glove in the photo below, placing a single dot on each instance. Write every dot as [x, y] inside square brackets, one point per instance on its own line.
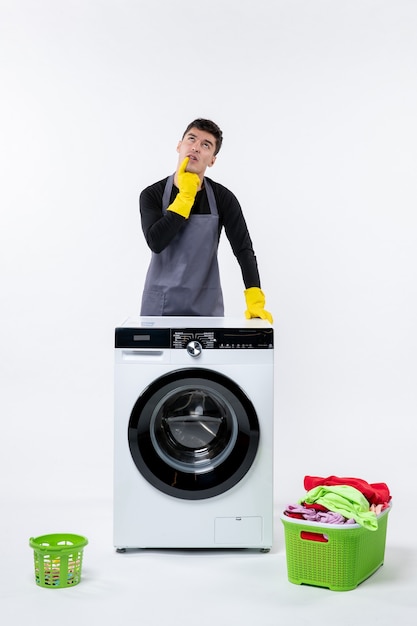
[255, 302]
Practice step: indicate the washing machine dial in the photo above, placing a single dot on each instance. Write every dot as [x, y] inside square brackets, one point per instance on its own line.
[194, 348]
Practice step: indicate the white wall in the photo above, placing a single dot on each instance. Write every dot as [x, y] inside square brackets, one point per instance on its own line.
[318, 101]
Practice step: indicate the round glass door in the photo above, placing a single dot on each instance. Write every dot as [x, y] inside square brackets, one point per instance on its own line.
[193, 433]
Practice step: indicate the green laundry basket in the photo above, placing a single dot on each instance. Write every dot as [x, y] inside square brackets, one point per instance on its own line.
[58, 559]
[336, 556]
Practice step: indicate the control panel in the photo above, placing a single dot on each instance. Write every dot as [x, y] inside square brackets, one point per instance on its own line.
[207, 339]
[224, 339]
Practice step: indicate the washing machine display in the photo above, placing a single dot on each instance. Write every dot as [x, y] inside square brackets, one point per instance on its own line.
[193, 433]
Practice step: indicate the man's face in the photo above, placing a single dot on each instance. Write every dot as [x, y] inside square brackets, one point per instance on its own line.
[199, 146]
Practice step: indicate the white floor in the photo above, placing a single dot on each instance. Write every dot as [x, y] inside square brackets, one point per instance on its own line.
[202, 587]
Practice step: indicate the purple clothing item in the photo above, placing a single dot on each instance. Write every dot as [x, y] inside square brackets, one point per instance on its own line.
[311, 515]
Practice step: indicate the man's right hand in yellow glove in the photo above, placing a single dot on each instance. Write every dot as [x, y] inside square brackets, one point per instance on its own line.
[188, 184]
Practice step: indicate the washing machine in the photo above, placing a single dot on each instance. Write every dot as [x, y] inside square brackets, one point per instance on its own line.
[193, 433]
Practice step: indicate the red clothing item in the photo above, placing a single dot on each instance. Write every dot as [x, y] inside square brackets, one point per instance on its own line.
[315, 505]
[375, 493]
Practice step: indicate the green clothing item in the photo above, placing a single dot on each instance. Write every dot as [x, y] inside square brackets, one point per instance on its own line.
[346, 500]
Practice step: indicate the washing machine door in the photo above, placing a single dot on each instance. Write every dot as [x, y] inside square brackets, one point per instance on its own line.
[193, 433]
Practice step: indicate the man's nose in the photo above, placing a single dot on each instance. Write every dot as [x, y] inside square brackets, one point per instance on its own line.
[196, 146]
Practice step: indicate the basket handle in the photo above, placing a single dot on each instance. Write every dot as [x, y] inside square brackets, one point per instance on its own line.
[310, 536]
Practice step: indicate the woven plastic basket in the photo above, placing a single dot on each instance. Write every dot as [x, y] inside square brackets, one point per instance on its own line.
[58, 559]
[338, 557]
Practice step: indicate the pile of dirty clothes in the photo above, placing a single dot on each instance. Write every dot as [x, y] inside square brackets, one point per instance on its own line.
[339, 500]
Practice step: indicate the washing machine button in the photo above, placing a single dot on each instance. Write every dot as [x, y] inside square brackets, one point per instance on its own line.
[194, 348]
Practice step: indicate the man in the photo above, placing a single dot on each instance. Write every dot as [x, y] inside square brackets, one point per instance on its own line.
[182, 219]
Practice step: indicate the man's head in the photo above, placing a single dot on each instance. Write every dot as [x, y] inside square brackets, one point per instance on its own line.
[200, 143]
[209, 127]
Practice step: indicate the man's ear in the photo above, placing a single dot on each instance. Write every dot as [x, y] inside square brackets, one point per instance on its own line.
[212, 162]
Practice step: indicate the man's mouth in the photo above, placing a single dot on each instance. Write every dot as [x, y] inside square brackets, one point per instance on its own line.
[192, 157]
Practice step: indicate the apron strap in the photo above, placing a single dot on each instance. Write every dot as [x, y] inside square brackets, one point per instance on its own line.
[167, 193]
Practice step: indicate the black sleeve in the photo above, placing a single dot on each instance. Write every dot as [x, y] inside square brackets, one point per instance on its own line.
[238, 235]
[159, 229]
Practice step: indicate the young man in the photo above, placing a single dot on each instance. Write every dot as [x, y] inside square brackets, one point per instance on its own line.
[182, 219]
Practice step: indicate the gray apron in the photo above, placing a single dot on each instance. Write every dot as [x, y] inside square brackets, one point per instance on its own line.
[184, 278]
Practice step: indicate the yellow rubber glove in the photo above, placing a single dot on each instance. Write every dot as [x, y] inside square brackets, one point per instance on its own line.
[188, 184]
[255, 301]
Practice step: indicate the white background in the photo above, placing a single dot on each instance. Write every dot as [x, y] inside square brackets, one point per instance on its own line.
[317, 100]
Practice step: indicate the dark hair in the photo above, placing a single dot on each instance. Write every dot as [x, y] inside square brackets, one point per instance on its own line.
[209, 127]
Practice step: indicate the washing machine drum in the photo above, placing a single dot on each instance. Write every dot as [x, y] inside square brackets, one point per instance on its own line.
[193, 433]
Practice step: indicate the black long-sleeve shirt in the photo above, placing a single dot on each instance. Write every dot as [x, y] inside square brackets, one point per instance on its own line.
[160, 228]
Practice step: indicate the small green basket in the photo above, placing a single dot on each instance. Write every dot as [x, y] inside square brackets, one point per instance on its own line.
[338, 557]
[58, 559]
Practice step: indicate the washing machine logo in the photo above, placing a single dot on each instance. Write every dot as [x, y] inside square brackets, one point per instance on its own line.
[194, 348]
